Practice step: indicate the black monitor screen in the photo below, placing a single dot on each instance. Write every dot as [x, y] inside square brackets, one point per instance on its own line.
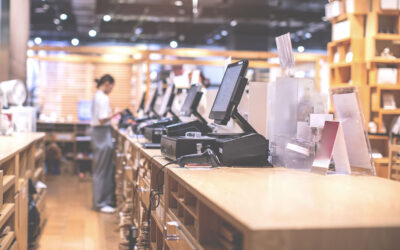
[141, 105]
[226, 89]
[152, 100]
[166, 99]
[230, 92]
[187, 106]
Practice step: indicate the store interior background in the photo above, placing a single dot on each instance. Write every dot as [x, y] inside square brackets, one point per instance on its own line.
[58, 47]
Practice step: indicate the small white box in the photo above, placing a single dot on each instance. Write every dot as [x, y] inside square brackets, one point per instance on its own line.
[389, 4]
[387, 76]
[333, 9]
[341, 30]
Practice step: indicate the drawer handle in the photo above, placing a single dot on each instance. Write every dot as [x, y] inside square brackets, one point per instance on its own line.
[171, 230]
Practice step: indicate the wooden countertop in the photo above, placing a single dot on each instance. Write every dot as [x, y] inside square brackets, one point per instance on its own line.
[279, 198]
[10, 145]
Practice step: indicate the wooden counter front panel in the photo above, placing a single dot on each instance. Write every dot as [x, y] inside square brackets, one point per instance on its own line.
[205, 228]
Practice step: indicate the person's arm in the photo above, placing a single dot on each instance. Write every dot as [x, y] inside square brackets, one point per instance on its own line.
[107, 119]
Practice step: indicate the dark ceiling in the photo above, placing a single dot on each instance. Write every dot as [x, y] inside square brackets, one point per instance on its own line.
[161, 21]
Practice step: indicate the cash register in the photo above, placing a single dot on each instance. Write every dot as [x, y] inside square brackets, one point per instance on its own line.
[153, 129]
[149, 111]
[127, 118]
[189, 108]
[240, 149]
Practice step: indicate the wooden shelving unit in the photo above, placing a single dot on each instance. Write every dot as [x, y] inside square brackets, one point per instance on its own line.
[74, 140]
[371, 30]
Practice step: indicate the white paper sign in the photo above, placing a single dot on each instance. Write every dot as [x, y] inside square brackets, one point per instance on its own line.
[318, 120]
[349, 114]
[332, 145]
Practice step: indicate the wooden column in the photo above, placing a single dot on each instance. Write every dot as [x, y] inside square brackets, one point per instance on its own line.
[19, 36]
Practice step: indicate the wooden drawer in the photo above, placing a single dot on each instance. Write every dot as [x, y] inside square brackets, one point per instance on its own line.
[174, 237]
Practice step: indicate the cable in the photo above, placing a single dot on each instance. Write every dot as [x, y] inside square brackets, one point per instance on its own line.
[157, 192]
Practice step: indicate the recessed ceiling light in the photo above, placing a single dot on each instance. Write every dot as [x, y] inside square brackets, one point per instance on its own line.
[106, 18]
[63, 16]
[210, 41]
[300, 49]
[307, 35]
[233, 23]
[37, 40]
[56, 21]
[92, 33]
[224, 32]
[181, 37]
[59, 28]
[138, 30]
[178, 3]
[75, 41]
[173, 44]
[217, 37]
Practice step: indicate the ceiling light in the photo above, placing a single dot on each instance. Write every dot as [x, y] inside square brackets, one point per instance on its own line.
[63, 16]
[178, 3]
[217, 37]
[106, 18]
[59, 28]
[173, 44]
[92, 33]
[224, 32]
[307, 35]
[210, 41]
[138, 30]
[233, 23]
[56, 21]
[75, 41]
[37, 40]
[300, 49]
[181, 37]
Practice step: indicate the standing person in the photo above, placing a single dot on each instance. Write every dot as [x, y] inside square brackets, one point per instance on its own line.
[103, 169]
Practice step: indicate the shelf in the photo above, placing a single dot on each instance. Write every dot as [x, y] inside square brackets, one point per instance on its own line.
[341, 65]
[6, 212]
[341, 85]
[8, 182]
[378, 137]
[383, 160]
[38, 172]
[7, 240]
[340, 18]
[337, 42]
[387, 86]
[385, 60]
[38, 154]
[391, 37]
[390, 111]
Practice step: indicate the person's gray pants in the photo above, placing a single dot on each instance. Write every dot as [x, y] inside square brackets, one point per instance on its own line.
[103, 169]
